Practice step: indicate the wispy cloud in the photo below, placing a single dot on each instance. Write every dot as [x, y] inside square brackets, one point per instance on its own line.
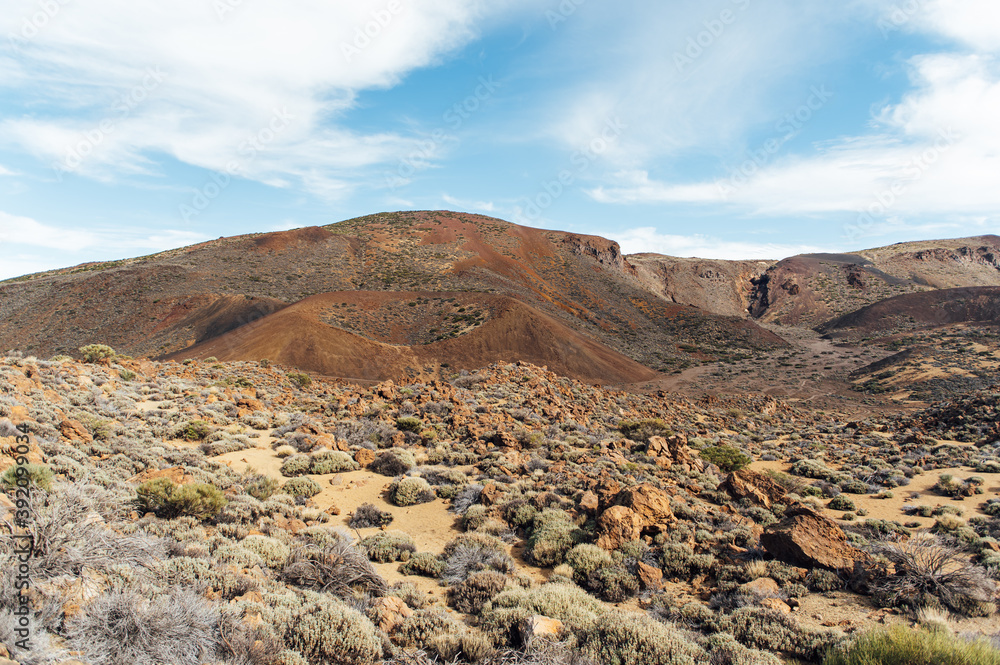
[650, 240]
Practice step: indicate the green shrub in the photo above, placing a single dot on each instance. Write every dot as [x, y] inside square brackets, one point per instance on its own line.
[899, 645]
[423, 563]
[643, 429]
[553, 534]
[474, 517]
[199, 500]
[332, 461]
[723, 649]
[566, 602]
[409, 424]
[770, 630]
[625, 638]
[369, 515]
[393, 462]
[388, 546]
[301, 380]
[296, 465]
[306, 487]
[195, 430]
[261, 487]
[470, 596]
[126, 374]
[272, 551]
[95, 353]
[841, 502]
[585, 559]
[613, 583]
[727, 458]
[38, 475]
[410, 491]
[330, 632]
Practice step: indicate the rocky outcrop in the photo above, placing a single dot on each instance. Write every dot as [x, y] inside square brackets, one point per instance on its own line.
[640, 510]
[539, 626]
[674, 451]
[808, 539]
[754, 487]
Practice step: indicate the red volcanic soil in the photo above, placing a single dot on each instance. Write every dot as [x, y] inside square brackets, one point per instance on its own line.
[918, 310]
[283, 240]
[507, 331]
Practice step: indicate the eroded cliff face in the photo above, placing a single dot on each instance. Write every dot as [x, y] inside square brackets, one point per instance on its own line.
[606, 252]
[716, 286]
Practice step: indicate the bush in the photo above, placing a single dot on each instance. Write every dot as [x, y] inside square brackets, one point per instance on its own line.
[928, 572]
[272, 551]
[585, 559]
[566, 602]
[199, 500]
[330, 632]
[121, 627]
[899, 645]
[95, 353]
[388, 546]
[301, 380]
[332, 461]
[763, 628]
[643, 429]
[410, 491]
[296, 465]
[470, 596]
[196, 430]
[423, 563]
[841, 502]
[368, 515]
[409, 424]
[624, 638]
[727, 458]
[305, 487]
[474, 552]
[260, 487]
[614, 583]
[38, 475]
[393, 462]
[552, 536]
[335, 566]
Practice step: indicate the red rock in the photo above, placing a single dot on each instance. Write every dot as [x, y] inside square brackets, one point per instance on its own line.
[650, 576]
[75, 431]
[390, 611]
[364, 457]
[753, 486]
[539, 626]
[805, 538]
[617, 525]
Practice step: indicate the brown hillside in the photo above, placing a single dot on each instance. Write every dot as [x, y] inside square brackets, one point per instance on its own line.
[809, 289]
[716, 286]
[164, 303]
[503, 330]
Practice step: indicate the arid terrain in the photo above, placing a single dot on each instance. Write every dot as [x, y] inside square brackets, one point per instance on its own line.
[434, 437]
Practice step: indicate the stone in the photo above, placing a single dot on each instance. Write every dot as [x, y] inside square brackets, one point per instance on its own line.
[754, 487]
[75, 431]
[649, 503]
[776, 604]
[762, 586]
[589, 503]
[616, 526]
[539, 626]
[650, 577]
[808, 539]
[364, 457]
[389, 612]
[175, 473]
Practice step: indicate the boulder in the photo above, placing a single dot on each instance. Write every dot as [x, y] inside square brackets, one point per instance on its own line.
[673, 450]
[650, 577]
[539, 626]
[75, 431]
[617, 525]
[589, 503]
[753, 486]
[364, 457]
[762, 586]
[649, 503]
[776, 604]
[807, 539]
[389, 612]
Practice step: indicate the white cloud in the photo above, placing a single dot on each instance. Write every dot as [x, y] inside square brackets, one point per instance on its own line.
[128, 81]
[465, 204]
[5, 171]
[935, 153]
[649, 240]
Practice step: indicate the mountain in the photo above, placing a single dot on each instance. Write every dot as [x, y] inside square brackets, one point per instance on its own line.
[574, 287]
[810, 289]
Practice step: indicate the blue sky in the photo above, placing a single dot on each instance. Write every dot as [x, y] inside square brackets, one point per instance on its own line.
[718, 128]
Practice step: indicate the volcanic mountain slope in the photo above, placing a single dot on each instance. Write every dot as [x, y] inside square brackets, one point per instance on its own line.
[493, 328]
[809, 289]
[164, 303]
[716, 286]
